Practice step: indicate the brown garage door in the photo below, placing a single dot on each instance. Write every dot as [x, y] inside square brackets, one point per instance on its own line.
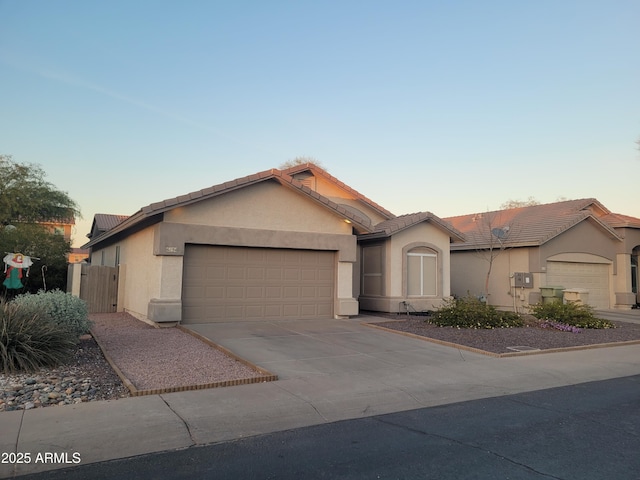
[223, 284]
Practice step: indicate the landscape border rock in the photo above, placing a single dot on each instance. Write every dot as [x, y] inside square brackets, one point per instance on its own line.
[476, 340]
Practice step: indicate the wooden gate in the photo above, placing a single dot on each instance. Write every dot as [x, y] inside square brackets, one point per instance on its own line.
[99, 288]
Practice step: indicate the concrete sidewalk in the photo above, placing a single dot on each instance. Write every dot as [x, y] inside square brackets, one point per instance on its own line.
[329, 370]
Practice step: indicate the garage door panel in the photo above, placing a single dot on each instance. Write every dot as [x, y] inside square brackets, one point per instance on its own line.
[309, 275]
[325, 292]
[194, 292]
[212, 292]
[273, 293]
[254, 311]
[234, 292]
[291, 274]
[325, 275]
[291, 292]
[234, 283]
[211, 273]
[273, 311]
[291, 310]
[255, 292]
[593, 277]
[255, 255]
[308, 311]
[291, 257]
[235, 273]
[255, 273]
[273, 256]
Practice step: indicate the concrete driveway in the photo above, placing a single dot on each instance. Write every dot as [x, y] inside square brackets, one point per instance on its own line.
[329, 370]
[346, 370]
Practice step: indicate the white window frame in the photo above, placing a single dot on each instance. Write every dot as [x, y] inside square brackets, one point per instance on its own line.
[422, 256]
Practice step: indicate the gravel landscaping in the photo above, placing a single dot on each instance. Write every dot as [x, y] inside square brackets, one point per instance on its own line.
[151, 358]
[86, 378]
[510, 340]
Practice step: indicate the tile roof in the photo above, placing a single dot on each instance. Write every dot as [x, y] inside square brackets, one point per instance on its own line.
[103, 222]
[617, 220]
[402, 222]
[529, 226]
[106, 221]
[323, 173]
[155, 210]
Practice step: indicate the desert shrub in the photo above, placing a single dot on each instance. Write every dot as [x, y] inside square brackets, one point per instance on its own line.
[574, 314]
[469, 312]
[28, 340]
[60, 308]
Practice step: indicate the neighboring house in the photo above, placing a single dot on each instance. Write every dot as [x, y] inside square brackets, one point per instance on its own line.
[576, 244]
[296, 243]
[77, 255]
[103, 222]
[61, 226]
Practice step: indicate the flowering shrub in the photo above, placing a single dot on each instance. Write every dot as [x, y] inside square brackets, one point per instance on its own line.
[470, 312]
[563, 327]
[573, 314]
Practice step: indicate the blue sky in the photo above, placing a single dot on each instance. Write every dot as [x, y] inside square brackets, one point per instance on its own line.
[451, 107]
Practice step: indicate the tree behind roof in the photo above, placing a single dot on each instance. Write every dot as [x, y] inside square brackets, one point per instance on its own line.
[26, 196]
[26, 199]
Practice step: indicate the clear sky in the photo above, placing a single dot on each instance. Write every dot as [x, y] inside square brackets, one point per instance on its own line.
[452, 107]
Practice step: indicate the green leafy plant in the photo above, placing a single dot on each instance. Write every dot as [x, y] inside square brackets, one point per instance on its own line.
[60, 308]
[469, 312]
[574, 314]
[29, 341]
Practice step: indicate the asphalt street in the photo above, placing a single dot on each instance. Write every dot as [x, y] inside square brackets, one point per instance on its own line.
[584, 431]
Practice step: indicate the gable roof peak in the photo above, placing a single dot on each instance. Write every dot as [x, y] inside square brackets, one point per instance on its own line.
[394, 225]
[317, 171]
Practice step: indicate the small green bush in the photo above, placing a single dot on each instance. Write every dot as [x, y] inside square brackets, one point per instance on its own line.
[61, 308]
[29, 341]
[574, 314]
[469, 312]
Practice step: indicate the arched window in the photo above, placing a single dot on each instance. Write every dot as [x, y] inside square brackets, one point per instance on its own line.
[422, 272]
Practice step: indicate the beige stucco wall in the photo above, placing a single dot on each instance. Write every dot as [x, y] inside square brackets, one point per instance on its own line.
[469, 272]
[425, 234]
[266, 205]
[394, 281]
[262, 215]
[340, 196]
[142, 275]
[585, 237]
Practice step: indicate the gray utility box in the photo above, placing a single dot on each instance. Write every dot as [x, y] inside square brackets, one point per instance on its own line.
[523, 280]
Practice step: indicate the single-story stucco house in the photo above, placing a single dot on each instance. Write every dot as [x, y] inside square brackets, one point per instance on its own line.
[577, 245]
[279, 244]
